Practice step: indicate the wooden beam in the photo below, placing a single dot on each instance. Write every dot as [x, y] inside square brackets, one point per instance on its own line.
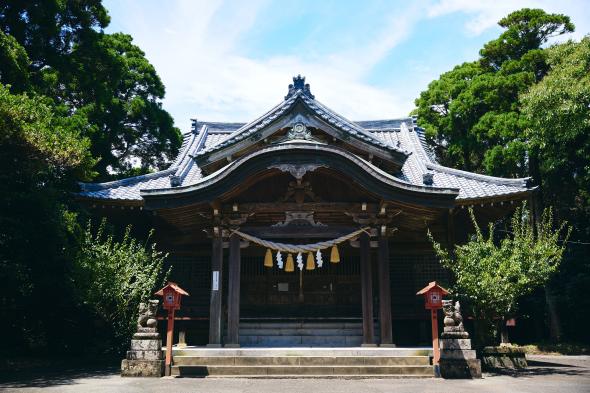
[367, 291]
[302, 232]
[271, 207]
[384, 292]
[233, 298]
[216, 293]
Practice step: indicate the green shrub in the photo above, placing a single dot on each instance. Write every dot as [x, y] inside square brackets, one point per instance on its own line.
[112, 277]
[492, 275]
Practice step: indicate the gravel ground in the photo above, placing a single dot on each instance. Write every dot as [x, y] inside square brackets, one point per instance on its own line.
[546, 374]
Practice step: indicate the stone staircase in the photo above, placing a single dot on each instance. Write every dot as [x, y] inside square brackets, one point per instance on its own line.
[302, 334]
[302, 362]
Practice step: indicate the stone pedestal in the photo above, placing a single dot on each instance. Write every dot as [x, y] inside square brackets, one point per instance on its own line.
[145, 358]
[494, 358]
[458, 360]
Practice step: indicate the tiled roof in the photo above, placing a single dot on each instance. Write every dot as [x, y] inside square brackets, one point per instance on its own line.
[401, 135]
[320, 110]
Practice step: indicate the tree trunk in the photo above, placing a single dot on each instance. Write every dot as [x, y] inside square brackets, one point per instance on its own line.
[554, 323]
[504, 339]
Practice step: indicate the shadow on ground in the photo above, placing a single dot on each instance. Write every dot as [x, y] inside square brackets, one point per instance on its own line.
[54, 376]
[540, 367]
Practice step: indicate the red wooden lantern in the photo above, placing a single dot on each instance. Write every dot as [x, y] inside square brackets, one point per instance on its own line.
[433, 294]
[172, 294]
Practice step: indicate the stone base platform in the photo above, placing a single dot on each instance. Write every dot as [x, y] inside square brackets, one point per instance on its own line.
[145, 358]
[458, 360]
[355, 362]
[494, 358]
[142, 368]
[460, 368]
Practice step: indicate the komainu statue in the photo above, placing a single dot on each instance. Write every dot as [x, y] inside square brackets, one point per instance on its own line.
[147, 314]
[453, 320]
[145, 358]
[457, 359]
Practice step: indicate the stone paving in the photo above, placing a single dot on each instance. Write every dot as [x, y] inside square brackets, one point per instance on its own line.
[546, 374]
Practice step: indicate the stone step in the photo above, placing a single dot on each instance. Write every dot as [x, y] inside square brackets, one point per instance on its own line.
[331, 376]
[306, 325]
[301, 361]
[334, 352]
[301, 341]
[300, 332]
[247, 371]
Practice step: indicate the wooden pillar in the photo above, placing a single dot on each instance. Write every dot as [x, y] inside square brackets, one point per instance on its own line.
[434, 324]
[384, 293]
[367, 290]
[216, 295]
[451, 231]
[233, 298]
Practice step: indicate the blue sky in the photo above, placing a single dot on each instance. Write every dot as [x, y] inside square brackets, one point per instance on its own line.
[232, 60]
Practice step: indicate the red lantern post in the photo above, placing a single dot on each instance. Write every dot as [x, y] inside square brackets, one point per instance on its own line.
[172, 295]
[433, 294]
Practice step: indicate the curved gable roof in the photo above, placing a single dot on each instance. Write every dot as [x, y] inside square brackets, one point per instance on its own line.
[401, 136]
[302, 96]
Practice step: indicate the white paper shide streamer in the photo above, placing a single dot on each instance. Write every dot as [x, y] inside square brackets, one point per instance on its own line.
[299, 261]
[318, 258]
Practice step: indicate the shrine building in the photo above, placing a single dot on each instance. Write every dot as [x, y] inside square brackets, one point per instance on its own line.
[304, 218]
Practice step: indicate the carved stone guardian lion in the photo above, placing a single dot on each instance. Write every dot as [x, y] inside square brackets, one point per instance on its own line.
[147, 315]
[145, 358]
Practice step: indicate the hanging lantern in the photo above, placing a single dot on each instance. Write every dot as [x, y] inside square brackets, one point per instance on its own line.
[268, 258]
[290, 265]
[334, 255]
[310, 262]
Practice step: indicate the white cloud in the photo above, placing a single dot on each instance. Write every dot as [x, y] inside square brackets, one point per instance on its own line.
[487, 13]
[195, 47]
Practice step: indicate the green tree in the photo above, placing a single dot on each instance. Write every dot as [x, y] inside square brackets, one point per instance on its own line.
[41, 154]
[558, 110]
[103, 76]
[112, 277]
[14, 64]
[74, 103]
[471, 114]
[493, 274]
[120, 91]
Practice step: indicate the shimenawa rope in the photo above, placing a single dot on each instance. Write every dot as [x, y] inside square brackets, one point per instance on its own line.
[297, 248]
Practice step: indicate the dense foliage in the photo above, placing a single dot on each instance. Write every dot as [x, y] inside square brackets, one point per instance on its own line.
[558, 112]
[113, 277]
[494, 274]
[472, 115]
[558, 109]
[522, 110]
[84, 70]
[40, 153]
[76, 104]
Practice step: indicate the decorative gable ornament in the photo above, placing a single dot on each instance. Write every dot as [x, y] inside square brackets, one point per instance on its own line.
[299, 85]
[299, 131]
[428, 178]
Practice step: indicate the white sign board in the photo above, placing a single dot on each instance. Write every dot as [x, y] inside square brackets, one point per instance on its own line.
[215, 280]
